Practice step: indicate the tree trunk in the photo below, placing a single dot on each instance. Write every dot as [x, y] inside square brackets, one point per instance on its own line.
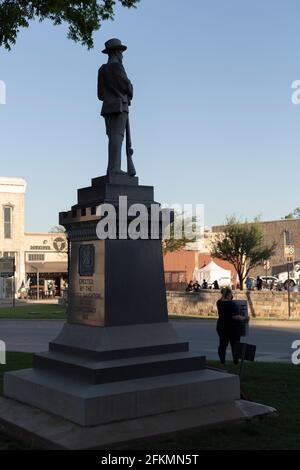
[241, 281]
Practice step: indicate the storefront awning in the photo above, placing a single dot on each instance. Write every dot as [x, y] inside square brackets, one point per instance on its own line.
[47, 267]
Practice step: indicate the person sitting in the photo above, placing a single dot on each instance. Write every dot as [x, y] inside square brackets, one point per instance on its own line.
[204, 284]
[196, 286]
[216, 285]
[190, 287]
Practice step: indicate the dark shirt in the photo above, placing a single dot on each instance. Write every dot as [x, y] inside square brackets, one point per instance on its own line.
[226, 310]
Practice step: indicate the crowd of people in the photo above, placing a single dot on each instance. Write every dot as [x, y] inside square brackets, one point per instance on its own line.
[250, 284]
[194, 286]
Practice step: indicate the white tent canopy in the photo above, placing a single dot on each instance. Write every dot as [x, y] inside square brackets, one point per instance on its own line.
[212, 272]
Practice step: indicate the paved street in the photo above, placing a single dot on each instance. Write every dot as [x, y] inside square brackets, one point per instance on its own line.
[28, 335]
[273, 339]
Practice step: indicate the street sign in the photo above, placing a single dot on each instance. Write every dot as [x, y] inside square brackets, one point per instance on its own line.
[289, 250]
[267, 264]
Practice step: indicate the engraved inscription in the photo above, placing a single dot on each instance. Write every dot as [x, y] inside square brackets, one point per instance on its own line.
[86, 287]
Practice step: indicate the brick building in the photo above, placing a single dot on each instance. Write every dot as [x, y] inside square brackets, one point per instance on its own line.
[280, 231]
[180, 265]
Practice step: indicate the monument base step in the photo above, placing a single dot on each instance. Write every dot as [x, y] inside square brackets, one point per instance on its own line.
[41, 430]
[88, 404]
[118, 342]
[117, 370]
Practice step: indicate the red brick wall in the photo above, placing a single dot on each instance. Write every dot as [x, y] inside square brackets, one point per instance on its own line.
[187, 260]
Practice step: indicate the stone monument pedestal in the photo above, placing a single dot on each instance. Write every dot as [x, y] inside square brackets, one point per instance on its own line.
[117, 359]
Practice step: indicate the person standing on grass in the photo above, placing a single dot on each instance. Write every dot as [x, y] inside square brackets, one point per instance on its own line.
[259, 283]
[249, 283]
[228, 325]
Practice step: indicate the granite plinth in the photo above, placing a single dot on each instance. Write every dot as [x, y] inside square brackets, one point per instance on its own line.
[109, 343]
[113, 354]
[108, 189]
[100, 372]
[89, 404]
[43, 430]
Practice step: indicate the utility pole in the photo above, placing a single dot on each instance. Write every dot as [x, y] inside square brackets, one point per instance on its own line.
[288, 289]
[14, 287]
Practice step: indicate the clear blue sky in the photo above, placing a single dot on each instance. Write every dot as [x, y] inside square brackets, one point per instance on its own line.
[212, 118]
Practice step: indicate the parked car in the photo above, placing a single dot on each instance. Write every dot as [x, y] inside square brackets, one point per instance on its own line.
[292, 280]
[268, 280]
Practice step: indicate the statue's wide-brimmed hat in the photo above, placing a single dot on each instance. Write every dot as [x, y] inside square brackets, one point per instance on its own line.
[113, 44]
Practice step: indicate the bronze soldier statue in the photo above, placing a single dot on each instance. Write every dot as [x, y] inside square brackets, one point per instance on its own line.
[116, 92]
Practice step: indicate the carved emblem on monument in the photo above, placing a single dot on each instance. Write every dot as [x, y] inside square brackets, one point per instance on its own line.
[86, 260]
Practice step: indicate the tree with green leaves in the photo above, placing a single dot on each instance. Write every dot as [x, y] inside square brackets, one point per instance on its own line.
[293, 215]
[83, 17]
[242, 244]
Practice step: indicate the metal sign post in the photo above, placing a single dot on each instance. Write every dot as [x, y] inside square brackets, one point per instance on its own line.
[243, 354]
[289, 251]
[14, 287]
[288, 289]
[267, 267]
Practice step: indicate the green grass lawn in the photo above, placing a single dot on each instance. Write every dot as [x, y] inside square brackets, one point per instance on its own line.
[277, 385]
[58, 312]
[34, 311]
[273, 384]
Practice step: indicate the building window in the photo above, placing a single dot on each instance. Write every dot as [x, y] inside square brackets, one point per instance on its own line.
[36, 257]
[175, 277]
[7, 222]
[9, 254]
